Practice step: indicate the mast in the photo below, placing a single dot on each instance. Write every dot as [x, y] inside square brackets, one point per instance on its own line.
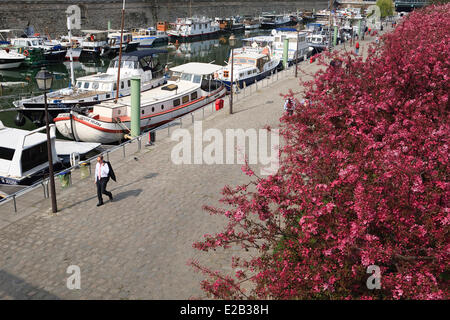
[120, 53]
[69, 28]
[329, 27]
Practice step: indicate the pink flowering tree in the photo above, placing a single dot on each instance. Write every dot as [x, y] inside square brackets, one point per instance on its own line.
[363, 181]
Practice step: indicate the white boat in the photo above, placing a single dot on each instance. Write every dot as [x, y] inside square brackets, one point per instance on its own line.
[191, 86]
[250, 64]
[52, 51]
[150, 37]
[185, 29]
[10, 59]
[23, 154]
[93, 89]
[272, 21]
[297, 48]
[111, 50]
[251, 23]
[93, 42]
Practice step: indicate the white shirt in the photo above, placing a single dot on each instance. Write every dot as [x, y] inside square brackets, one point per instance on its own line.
[101, 171]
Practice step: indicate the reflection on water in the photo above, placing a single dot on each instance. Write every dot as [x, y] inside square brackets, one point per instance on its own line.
[22, 81]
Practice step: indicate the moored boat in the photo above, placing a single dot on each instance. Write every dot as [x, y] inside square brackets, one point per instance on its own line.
[298, 46]
[188, 29]
[93, 89]
[191, 86]
[150, 37]
[10, 59]
[23, 154]
[250, 64]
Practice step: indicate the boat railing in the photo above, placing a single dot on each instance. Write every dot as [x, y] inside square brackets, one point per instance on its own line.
[82, 170]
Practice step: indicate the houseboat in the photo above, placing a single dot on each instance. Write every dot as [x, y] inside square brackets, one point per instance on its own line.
[187, 29]
[273, 21]
[250, 64]
[93, 89]
[190, 87]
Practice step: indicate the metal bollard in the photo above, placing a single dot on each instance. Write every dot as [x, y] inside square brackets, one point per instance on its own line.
[123, 148]
[15, 205]
[192, 117]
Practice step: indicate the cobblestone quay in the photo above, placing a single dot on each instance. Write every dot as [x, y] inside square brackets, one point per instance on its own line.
[49, 15]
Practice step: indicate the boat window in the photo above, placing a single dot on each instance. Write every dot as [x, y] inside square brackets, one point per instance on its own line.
[129, 83]
[95, 85]
[153, 109]
[197, 78]
[292, 40]
[249, 72]
[241, 75]
[34, 156]
[194, 95]
[115, 86]
[121, 85]
[162, 106]
[108, 95]
[86, 85]
[6, 153]
[128, 64]
[176, 102]
[185, 99]
[186, 76]
[277, 39]
[142, 111]
[79, 84]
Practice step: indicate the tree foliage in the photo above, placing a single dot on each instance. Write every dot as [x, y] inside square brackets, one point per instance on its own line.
[386, 8]
[363, 181]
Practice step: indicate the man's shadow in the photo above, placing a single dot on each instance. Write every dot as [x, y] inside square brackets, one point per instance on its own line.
[121, 195]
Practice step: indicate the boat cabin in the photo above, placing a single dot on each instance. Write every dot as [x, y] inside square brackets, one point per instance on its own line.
[23, 153]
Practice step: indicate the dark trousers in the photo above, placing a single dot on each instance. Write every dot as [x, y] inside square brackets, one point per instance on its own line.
[101, 189]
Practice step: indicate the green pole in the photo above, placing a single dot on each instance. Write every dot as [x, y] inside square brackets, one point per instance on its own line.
[335, 35]
[135, 106]
[359, 29]
[285, 53]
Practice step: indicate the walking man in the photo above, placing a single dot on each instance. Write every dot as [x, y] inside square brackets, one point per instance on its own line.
[101, 179]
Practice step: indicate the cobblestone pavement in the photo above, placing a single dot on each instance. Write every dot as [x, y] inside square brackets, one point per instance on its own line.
[137, 246]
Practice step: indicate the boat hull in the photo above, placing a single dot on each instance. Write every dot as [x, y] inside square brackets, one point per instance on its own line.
[84, 128]
[186, 38]
[10, 63]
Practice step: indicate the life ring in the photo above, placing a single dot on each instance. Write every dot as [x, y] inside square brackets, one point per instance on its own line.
[26, 53]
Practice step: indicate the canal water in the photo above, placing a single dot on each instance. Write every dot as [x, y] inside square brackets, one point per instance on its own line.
[209, 51]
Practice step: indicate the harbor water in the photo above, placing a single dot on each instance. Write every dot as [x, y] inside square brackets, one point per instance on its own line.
[20, 83]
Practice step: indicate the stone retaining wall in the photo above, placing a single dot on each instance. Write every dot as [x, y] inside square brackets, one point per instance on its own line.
[49, 16]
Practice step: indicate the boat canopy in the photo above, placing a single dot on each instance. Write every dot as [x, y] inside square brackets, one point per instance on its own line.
[197, 68]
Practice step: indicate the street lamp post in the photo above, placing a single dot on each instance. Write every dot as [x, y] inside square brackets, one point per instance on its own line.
[232, 42]
[296, 51]
[44, 81]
